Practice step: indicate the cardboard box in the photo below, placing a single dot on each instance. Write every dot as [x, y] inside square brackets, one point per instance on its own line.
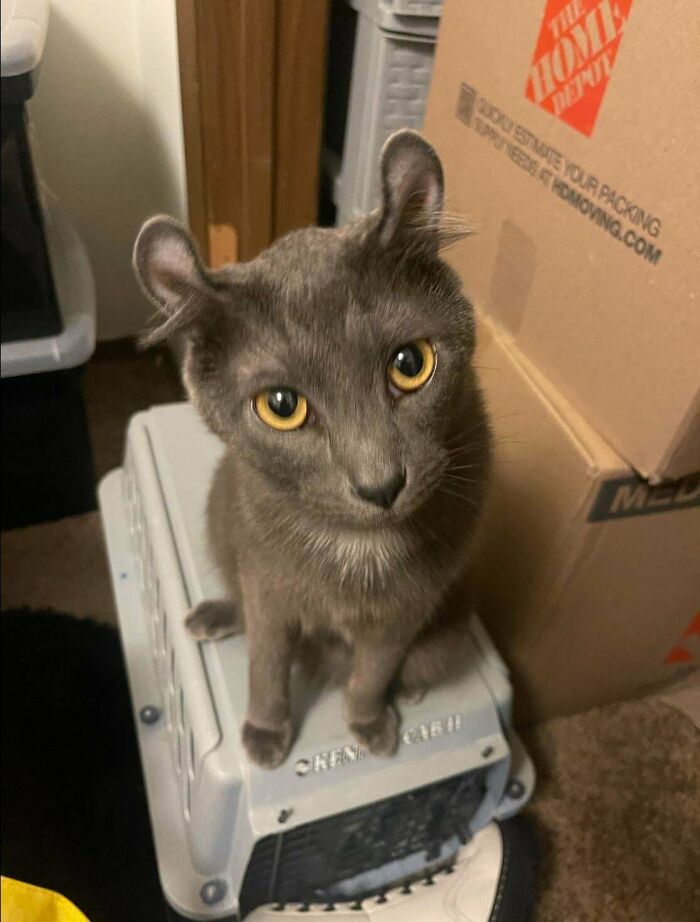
[588, 578]
[569, 137]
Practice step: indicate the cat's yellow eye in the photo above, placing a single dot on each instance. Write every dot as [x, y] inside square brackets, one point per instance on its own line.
[281, 408]
[412, 365]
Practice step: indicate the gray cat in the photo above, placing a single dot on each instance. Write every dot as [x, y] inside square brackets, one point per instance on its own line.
[336, 368]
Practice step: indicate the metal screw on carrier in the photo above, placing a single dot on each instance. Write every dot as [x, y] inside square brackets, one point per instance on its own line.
[213, 892]
[150, 714]
[515, 789]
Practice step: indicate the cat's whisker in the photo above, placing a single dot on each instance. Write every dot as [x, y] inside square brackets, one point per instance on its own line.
[458, 479]
[457, 495]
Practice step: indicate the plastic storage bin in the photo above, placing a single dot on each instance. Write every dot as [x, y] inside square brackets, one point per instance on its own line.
[392, 68]
[414, 16]
[48, 310]
[29, 307]
[47, 469]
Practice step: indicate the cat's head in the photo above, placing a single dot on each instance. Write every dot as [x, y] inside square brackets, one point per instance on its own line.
[337, 363]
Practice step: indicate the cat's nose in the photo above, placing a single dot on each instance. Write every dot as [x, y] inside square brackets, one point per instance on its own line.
[382, 494]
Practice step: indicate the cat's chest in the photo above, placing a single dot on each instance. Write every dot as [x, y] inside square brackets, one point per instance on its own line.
[352, 577]
[355, 559]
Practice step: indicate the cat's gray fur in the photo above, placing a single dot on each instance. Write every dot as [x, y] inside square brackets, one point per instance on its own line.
[308, 563]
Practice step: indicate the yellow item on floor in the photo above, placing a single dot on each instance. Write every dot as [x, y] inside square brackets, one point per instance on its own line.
[26, 903]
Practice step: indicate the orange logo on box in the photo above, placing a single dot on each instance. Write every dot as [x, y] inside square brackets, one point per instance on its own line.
[681, 654]
[574, 57]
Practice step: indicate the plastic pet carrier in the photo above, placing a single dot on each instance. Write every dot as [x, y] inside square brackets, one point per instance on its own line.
[425, 832]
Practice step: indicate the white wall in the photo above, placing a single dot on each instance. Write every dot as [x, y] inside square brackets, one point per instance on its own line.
[108, 135]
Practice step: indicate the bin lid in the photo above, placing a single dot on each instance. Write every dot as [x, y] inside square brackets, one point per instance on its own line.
[75, 291]
[24, 25]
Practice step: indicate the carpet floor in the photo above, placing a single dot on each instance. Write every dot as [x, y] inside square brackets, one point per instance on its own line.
[617, 805]
[617, 814]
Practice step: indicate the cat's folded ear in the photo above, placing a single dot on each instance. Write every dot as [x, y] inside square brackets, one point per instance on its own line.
[169, 269]
[412, 191]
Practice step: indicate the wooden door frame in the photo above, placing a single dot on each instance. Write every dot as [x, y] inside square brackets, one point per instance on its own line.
[252, 76]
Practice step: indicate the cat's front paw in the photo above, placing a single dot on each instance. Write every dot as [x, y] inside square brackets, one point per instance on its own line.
[379, 735]
[214, 620]
[267, 748]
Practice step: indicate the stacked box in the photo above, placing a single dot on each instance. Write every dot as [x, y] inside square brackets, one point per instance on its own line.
[565, 138]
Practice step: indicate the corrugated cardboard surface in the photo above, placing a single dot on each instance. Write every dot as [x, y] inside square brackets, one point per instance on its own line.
[618, 332]
[587, 577]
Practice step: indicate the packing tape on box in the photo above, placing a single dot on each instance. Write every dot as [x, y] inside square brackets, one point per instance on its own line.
[513, 274]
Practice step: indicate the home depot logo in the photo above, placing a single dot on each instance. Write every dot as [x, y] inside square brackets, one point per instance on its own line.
[574, 57]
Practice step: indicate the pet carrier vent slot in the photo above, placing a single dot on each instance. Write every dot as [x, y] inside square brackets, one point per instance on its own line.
[169, 710]
[192, 755]
[181, 713]
[149, 593]
[178, 751]
[163, 639]
[188, 797]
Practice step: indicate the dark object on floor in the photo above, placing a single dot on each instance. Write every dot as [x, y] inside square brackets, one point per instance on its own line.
[74, 814]
[518, 884]
[47, 469]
